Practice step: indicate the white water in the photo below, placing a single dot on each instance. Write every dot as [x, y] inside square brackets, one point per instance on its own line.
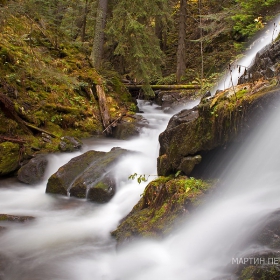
[70, 238]
[266, 37]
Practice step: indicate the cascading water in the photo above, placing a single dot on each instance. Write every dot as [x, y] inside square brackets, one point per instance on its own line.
[237, 68]
[70, 239]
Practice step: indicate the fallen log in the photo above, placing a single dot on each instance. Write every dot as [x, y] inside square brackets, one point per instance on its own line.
[164, 87]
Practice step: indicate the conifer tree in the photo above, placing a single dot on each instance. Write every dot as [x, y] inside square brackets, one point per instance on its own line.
[132, 33]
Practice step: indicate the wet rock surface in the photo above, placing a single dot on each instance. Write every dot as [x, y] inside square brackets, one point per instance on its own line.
[89, 175]
[224, 118]
[33, 171]
[265, 64]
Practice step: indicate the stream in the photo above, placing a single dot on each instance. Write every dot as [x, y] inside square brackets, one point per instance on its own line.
[70, 238]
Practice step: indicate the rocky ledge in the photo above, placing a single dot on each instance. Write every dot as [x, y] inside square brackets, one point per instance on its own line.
[164, 204]
[224, 118]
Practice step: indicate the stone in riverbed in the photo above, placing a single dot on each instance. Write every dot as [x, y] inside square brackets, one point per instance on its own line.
[69, 144]
[88, 176]
[33, 171]
[15, 218]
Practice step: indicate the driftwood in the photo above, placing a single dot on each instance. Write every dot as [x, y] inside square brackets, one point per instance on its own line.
[103, 107]
[164, 87]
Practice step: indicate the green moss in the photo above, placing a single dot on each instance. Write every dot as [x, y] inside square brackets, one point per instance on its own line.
[9, 157]
[164, 201]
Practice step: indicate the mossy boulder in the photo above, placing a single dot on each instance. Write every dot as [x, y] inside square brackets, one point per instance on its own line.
[224, 118]
[164, 204]
[97, 182]
[62, 180]
[9, 157]
[89, 175]
[33, 171]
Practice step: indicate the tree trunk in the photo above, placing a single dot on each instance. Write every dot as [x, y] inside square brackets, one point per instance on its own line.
[98, 41]
[181, 51]
[84, 21]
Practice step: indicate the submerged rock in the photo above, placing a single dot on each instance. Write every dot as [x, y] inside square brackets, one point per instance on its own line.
[163, 205]
[15, 218]
[33, 171]
[9, 157]
[87, 176]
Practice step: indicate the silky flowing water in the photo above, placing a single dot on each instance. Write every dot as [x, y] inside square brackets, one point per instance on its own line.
[70, 238]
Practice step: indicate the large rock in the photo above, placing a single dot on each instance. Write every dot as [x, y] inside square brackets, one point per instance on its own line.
[9, 157]
[213, 123]
[33, 171]
[164, 204]
[87, 176]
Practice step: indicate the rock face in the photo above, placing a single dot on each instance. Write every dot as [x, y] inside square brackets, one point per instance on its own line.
[89, 175]
[9, 157]
[264, 65]
[226, 117]
[33, 171]
[163, 205]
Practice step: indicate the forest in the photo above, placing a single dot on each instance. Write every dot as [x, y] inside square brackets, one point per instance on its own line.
[139, 139]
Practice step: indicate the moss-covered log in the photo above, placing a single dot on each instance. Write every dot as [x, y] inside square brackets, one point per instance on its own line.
[165, 87]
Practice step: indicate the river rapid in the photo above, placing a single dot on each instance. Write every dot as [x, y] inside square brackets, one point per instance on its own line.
[70, 238]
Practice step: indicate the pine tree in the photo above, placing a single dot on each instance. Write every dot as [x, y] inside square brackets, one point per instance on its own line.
[132, 33]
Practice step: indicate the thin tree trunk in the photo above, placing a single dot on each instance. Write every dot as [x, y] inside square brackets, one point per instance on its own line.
[84, 22]
[181, 51]
[158, 30]
[201, 42]
[98, 41]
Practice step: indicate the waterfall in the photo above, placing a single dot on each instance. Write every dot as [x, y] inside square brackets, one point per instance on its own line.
[70, 239]
[237, 68]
